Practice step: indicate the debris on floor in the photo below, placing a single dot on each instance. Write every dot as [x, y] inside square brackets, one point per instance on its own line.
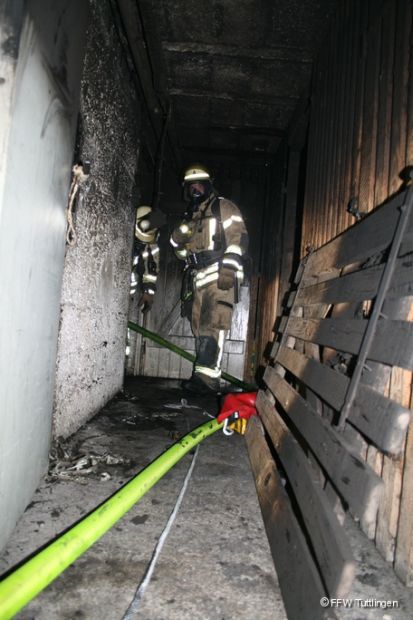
[215, 562]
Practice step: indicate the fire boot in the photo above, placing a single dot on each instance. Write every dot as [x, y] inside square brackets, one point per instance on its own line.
[205, 378]
[201, 385]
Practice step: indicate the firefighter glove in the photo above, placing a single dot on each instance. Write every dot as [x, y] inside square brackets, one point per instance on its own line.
[183, 233]
[145, 302]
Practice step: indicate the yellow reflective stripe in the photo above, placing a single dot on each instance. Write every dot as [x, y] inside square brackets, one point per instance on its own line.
[211, 278]
[212, 231]
[233, 249]
[196, 176]
[173, 243]
[221, 341]
[148, 278]
[145, 254]
[204, 272]
[232, 262]
[234, 218]
[209, 372]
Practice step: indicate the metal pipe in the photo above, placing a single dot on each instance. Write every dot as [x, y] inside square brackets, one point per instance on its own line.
[188, 356]
[33, 576]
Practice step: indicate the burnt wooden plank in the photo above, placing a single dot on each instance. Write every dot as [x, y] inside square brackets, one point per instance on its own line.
[409, 129]
[358, 285]
[327, 220]
[400, 92]
[342, 41]
[350, 69]
[392, 344]
[370, 104]
[369, 236]
[359, 73]
[392, 474]
[370, 117]
[316, 311]
[290, 221]
[357, 484]
[388, 516]
[381, 419]
[329, 542]
[169, 321]
[403, 565]
[298, 577]
[385, 96]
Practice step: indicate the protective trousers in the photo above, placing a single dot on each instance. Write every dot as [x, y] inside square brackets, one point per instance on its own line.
[211, 319]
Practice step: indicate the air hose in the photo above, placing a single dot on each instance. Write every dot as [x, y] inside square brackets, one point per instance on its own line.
[188, 356]
[22, 585]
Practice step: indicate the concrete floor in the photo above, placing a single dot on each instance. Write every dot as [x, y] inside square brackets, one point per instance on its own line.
[216, 563]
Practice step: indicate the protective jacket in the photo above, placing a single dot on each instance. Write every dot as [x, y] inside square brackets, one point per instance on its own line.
[145, 267]
[213, 238]
[212, 243]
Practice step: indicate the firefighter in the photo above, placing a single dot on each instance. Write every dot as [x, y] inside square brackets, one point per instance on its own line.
[212, 240]
[145, 257]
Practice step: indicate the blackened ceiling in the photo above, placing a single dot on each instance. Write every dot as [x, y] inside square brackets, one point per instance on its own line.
[232, 71]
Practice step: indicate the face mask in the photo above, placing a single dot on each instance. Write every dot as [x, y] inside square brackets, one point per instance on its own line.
[196, 197]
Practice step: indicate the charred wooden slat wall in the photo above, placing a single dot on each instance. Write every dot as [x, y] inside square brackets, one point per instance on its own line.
[360, 139]
[361, 134]
[338, 448]
[266, 263]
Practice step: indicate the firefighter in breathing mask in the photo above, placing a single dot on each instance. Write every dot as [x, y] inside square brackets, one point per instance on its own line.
[212, 240]
[146, 255]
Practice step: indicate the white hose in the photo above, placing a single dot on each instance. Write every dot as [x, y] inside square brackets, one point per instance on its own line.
[134, 606]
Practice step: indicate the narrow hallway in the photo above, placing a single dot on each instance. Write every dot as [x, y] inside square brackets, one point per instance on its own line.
[194, 198]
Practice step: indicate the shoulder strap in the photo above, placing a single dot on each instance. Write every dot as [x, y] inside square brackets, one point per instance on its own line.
[216, 209]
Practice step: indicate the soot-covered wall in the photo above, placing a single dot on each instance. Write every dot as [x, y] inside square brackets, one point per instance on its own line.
[42, 44]
[90, 362]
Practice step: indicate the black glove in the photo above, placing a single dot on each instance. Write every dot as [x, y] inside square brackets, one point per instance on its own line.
[145, 302]
[182, 233]
[156, 218]
[226, 278]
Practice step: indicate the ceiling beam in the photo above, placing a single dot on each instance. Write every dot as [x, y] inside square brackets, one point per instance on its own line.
[286, 101]
[232, 153]
[249, 130]
[281, 54]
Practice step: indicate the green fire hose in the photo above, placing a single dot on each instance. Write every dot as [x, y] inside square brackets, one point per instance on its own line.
[188, 356]
[33, 576]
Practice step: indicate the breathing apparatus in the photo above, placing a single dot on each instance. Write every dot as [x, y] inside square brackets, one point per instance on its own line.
[197, 187]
